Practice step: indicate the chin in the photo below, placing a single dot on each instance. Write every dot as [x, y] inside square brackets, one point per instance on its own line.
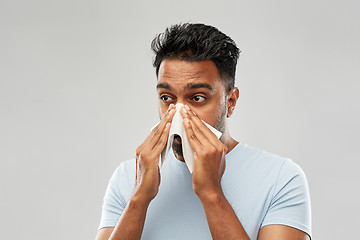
[177, 149]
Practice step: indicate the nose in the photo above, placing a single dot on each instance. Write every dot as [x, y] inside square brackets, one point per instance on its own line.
[178, 106]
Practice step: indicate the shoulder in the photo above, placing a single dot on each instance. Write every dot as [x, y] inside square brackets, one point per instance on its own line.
[279, 180]
[126, 169]
[248, 157]
[121, 182]
[118, 193]
[259, 166]
[125, 166]
[124, 175]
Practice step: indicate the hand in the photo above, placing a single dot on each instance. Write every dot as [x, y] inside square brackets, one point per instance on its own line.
[147, 159]
[209, 155]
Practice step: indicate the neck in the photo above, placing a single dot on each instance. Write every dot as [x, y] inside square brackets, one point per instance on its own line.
[229, 142]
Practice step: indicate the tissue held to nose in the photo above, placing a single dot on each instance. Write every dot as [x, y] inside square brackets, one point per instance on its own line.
[176, 144]
[178, 140]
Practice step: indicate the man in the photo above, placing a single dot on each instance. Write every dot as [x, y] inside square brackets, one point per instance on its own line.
[235, 191]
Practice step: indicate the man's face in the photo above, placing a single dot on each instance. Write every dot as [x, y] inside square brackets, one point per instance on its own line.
[197, 84]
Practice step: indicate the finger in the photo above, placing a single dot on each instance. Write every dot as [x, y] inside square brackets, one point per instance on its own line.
[157, 149]
[195, 130]
[163, 118]
[162, 122]
[155, 129]
[171, 106]
[160, 131]
[192, 137]
[204, 133]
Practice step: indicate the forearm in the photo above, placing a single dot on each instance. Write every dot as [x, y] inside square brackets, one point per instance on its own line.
[131, 222]
[221, 218]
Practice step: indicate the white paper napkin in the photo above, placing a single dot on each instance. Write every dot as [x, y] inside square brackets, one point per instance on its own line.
[177, 128]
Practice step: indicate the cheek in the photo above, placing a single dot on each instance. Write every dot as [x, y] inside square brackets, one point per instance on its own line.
[208, 116]
[213, 113]
[162, 111]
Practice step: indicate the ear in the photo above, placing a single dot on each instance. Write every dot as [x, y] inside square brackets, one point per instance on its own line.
[232, 98]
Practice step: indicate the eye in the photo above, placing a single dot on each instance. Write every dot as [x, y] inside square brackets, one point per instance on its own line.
[198, 99]
[165, 98]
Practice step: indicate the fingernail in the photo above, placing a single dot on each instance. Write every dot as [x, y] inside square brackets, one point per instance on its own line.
[184, 110]
[186, 121]
[187, 107]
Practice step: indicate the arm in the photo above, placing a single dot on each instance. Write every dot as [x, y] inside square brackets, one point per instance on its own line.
[281, 232]
[209, 165]
[222, 220]
[131, 222]
[227, 226]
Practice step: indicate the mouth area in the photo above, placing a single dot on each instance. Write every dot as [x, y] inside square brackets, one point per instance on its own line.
[177, 146]
[177, 139]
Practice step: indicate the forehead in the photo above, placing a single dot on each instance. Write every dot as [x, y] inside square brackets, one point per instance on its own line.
[184, 72]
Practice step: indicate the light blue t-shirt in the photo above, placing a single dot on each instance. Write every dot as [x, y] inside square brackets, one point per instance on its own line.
[262, 188]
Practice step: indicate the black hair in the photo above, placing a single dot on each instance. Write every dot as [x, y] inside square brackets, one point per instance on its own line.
[197, 42]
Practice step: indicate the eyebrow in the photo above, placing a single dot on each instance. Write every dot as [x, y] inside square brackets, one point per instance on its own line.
[189, 86]
[199, 85]
[163, 85]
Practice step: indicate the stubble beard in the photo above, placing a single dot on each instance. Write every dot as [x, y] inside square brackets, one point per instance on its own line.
[177, 145]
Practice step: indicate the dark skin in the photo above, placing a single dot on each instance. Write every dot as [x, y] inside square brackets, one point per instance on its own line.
[201, 89]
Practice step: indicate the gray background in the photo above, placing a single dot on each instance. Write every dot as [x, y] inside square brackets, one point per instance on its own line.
[77, 96]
